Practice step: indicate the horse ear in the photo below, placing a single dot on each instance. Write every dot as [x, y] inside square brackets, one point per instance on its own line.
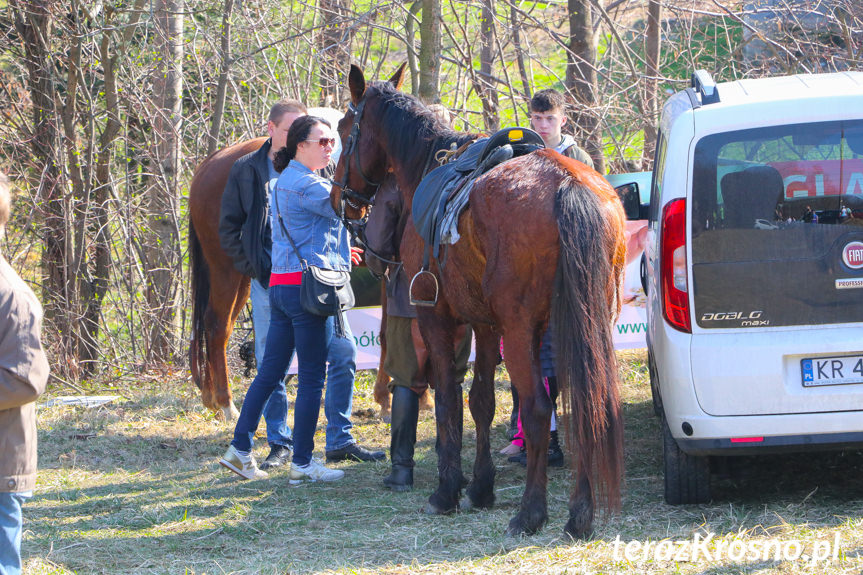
[356, 83]
[399, 77]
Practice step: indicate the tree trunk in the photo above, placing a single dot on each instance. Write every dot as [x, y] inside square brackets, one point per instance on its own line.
[653, 35]
[413, 64]
[162, 201]
[222, 86]
[334, 50]
[519, 51]
[33, 22]
[488, 92]
[430, 51]
[581, 80]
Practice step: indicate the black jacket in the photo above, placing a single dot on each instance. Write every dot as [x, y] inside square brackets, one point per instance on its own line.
[244, 221]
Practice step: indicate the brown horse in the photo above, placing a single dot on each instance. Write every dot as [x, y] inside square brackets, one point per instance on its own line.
[219, 291]
[543, 237]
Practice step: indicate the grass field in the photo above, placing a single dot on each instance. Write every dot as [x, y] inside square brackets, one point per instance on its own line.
[134, 487]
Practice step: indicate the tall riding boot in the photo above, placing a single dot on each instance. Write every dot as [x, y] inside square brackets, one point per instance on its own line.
[555, 453]
[405, 413]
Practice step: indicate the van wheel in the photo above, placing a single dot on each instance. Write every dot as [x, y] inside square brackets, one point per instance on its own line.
[654, 385]
[687, 477]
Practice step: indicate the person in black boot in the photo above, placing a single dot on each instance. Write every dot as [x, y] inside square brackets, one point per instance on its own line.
[405, 413]
[406, 361]
[555, 453]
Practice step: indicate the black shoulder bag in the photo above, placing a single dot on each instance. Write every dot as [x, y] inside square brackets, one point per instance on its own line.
[323, 292]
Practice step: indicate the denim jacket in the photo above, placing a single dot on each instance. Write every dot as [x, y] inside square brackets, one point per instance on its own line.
[303, 199]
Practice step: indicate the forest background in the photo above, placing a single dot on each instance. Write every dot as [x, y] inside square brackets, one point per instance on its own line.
[107, 106]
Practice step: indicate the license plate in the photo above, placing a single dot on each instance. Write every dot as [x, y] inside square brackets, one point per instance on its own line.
[841, 370]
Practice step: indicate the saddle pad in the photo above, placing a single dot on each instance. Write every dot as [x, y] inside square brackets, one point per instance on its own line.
[424, 208]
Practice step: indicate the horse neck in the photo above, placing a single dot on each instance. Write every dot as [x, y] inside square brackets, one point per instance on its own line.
[410, 168]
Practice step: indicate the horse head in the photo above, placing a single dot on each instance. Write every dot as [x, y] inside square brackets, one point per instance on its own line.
[363, 163]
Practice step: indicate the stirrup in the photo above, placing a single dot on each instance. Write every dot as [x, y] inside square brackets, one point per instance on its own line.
[423, 302]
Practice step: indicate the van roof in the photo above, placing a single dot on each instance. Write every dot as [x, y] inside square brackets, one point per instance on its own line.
[800, 86]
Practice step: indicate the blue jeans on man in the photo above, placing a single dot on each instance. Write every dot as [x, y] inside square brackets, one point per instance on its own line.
[338, 401]
[10, 532]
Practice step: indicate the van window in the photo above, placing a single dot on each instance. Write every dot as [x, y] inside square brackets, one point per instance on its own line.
[772, 209]
[656, 183]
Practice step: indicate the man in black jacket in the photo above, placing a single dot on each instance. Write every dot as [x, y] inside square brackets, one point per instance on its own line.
[245, 235]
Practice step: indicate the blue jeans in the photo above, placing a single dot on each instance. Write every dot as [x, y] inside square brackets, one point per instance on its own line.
[291, 328]
[338, 402]
[10, 532]
[276, 406]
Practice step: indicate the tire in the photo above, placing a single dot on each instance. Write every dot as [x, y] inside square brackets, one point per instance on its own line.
[687, 477]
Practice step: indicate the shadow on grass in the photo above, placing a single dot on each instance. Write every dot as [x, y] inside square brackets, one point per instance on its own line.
[135, 502]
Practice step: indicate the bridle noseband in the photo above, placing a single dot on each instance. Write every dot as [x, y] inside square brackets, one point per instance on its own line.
[352, 150]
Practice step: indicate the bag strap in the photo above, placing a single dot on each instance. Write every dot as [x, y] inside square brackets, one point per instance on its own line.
[285, 230]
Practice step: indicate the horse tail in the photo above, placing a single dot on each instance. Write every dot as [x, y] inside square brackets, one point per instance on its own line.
[200, 298]
[586, 299]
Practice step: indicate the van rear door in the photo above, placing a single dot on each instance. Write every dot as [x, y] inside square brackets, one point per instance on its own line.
[762, 260]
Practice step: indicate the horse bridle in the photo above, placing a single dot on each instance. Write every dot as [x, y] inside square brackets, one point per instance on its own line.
[350, 197]
[352, 150]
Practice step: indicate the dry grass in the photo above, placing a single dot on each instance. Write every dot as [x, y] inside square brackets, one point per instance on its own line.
[134, 487]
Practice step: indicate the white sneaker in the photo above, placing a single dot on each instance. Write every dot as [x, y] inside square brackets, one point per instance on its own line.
[314, 471]
[242, 465]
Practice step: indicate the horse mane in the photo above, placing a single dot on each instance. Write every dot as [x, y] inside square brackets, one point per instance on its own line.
[412, 131]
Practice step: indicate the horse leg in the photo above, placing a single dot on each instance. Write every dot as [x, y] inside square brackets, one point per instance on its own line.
[580, 524]
[423, 376]
[480, 492]
[226, 301]
[427, 400]
[438, 334]
[521, 350]
[381, 390]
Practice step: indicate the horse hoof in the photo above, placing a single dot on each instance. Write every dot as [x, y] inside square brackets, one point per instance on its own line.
[386, 417]
[230, 413]
[521, 525]
[465, 504]
[514, 530]
[431, 509]
[577, 530]
[475, 498]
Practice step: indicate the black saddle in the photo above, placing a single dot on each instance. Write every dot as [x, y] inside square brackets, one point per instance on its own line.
[443, 194]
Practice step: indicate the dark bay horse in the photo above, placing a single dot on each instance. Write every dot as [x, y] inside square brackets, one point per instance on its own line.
[543, 238]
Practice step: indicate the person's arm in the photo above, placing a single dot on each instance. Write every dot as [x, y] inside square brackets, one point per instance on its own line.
[23, 365]
[232, 217]
[315, 197]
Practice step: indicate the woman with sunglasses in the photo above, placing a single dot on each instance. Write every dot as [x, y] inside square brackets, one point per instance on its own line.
[300, 206]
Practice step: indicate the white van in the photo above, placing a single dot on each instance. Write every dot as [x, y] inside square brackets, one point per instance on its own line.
[753, 271]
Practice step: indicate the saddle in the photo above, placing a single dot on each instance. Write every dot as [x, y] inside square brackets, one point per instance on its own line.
[443, 194]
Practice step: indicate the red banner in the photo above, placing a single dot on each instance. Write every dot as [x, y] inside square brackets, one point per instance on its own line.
[814, 179]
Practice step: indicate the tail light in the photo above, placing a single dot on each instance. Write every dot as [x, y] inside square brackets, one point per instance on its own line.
[673, 276]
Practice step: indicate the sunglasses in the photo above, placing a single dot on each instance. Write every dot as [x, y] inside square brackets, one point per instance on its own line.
[324, 142]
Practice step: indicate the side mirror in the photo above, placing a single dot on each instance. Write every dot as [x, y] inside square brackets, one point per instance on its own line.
[631, 200]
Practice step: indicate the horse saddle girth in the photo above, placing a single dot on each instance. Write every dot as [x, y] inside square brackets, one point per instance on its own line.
[443, 194]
